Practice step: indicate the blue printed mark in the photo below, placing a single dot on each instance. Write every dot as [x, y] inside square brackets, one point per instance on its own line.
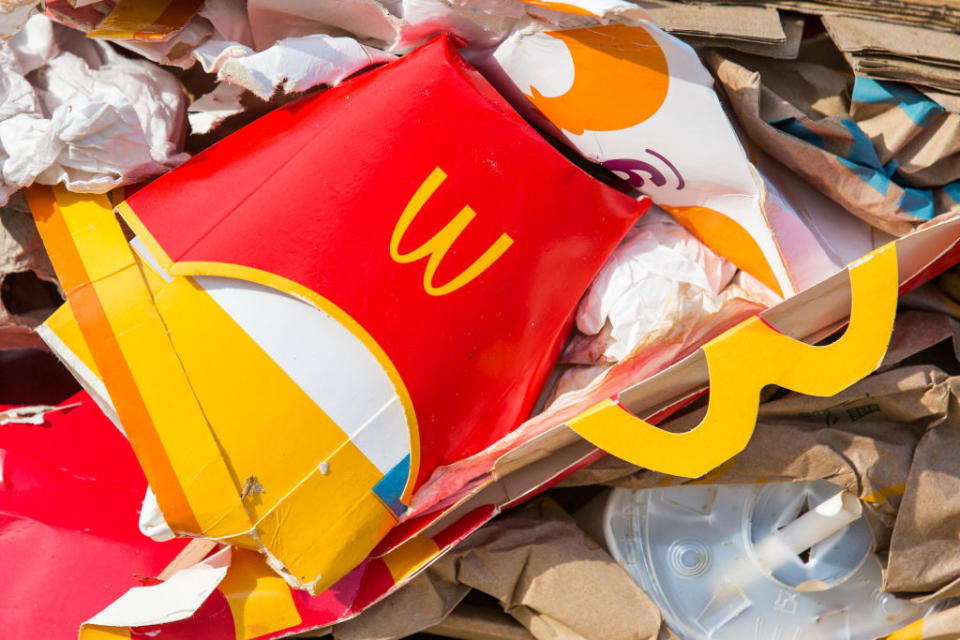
[798, 130]
[917, 202]
[890, 168]
[861, 149]
[390, 487]
[918, 107]
[872, 177]
[952, 189]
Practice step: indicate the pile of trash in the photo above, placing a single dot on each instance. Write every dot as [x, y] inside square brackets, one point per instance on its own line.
[479, 319]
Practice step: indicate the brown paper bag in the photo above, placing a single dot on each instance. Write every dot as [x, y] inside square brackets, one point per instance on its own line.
[878, 155]
[543, 570]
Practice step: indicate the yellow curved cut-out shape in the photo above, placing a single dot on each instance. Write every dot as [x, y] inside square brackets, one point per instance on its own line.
[728, 238]
[436, 247]
[620, 78]
[744, 360]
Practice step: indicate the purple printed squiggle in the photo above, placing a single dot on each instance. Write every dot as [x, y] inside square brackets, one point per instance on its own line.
[631, 166]
[680, 183]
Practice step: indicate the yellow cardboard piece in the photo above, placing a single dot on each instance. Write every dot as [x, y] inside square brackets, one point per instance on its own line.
[744, 360]
[129, 343]
[260, 601]
[259, 402]
[913, 631]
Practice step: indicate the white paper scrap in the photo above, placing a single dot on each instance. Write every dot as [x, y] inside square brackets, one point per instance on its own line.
[177, 598]
[291, 65]
[211, 109]
[33, 414]
[14, 14]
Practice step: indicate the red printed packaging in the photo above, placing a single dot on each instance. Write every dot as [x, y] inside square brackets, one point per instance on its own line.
[324, 307]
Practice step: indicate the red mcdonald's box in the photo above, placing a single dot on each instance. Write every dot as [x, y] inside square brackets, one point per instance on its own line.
[321, 309]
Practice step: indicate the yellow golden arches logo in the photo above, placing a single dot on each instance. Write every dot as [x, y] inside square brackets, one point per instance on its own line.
[436, 247]
[620, 79]
[744, 360]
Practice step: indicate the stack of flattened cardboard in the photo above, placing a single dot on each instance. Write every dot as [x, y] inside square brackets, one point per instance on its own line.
[752, 29]
[934, 14]
[915, 42]
[905, 53]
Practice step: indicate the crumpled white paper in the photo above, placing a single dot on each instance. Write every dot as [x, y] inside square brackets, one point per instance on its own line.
[396, 26]
[87, 117]
[14, 14]
[229, 20]
[291, 65]
[659, 280]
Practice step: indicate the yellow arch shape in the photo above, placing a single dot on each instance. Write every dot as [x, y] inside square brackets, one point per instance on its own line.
[744, 360]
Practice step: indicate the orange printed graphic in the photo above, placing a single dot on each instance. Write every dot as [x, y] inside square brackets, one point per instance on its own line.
[620, 79]
[729, 239]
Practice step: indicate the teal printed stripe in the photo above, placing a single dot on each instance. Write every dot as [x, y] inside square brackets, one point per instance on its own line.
[952, 189]
[917, 202]
[861, 149]
[390, 488]
[798, 130]
[874, 178]
[918, 107]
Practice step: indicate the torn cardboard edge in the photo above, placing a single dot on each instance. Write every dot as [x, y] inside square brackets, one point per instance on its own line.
[754, 24]
[789, 49]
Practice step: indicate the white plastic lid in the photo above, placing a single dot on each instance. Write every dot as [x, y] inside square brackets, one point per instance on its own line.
[779, 561]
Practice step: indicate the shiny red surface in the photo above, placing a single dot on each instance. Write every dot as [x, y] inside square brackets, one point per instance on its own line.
[69, 502]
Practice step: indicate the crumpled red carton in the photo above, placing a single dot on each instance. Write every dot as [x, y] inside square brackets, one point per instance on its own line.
[319, 310]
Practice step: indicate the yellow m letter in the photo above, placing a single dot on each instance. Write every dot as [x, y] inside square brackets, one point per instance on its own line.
[744, 360]
[437, 246]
